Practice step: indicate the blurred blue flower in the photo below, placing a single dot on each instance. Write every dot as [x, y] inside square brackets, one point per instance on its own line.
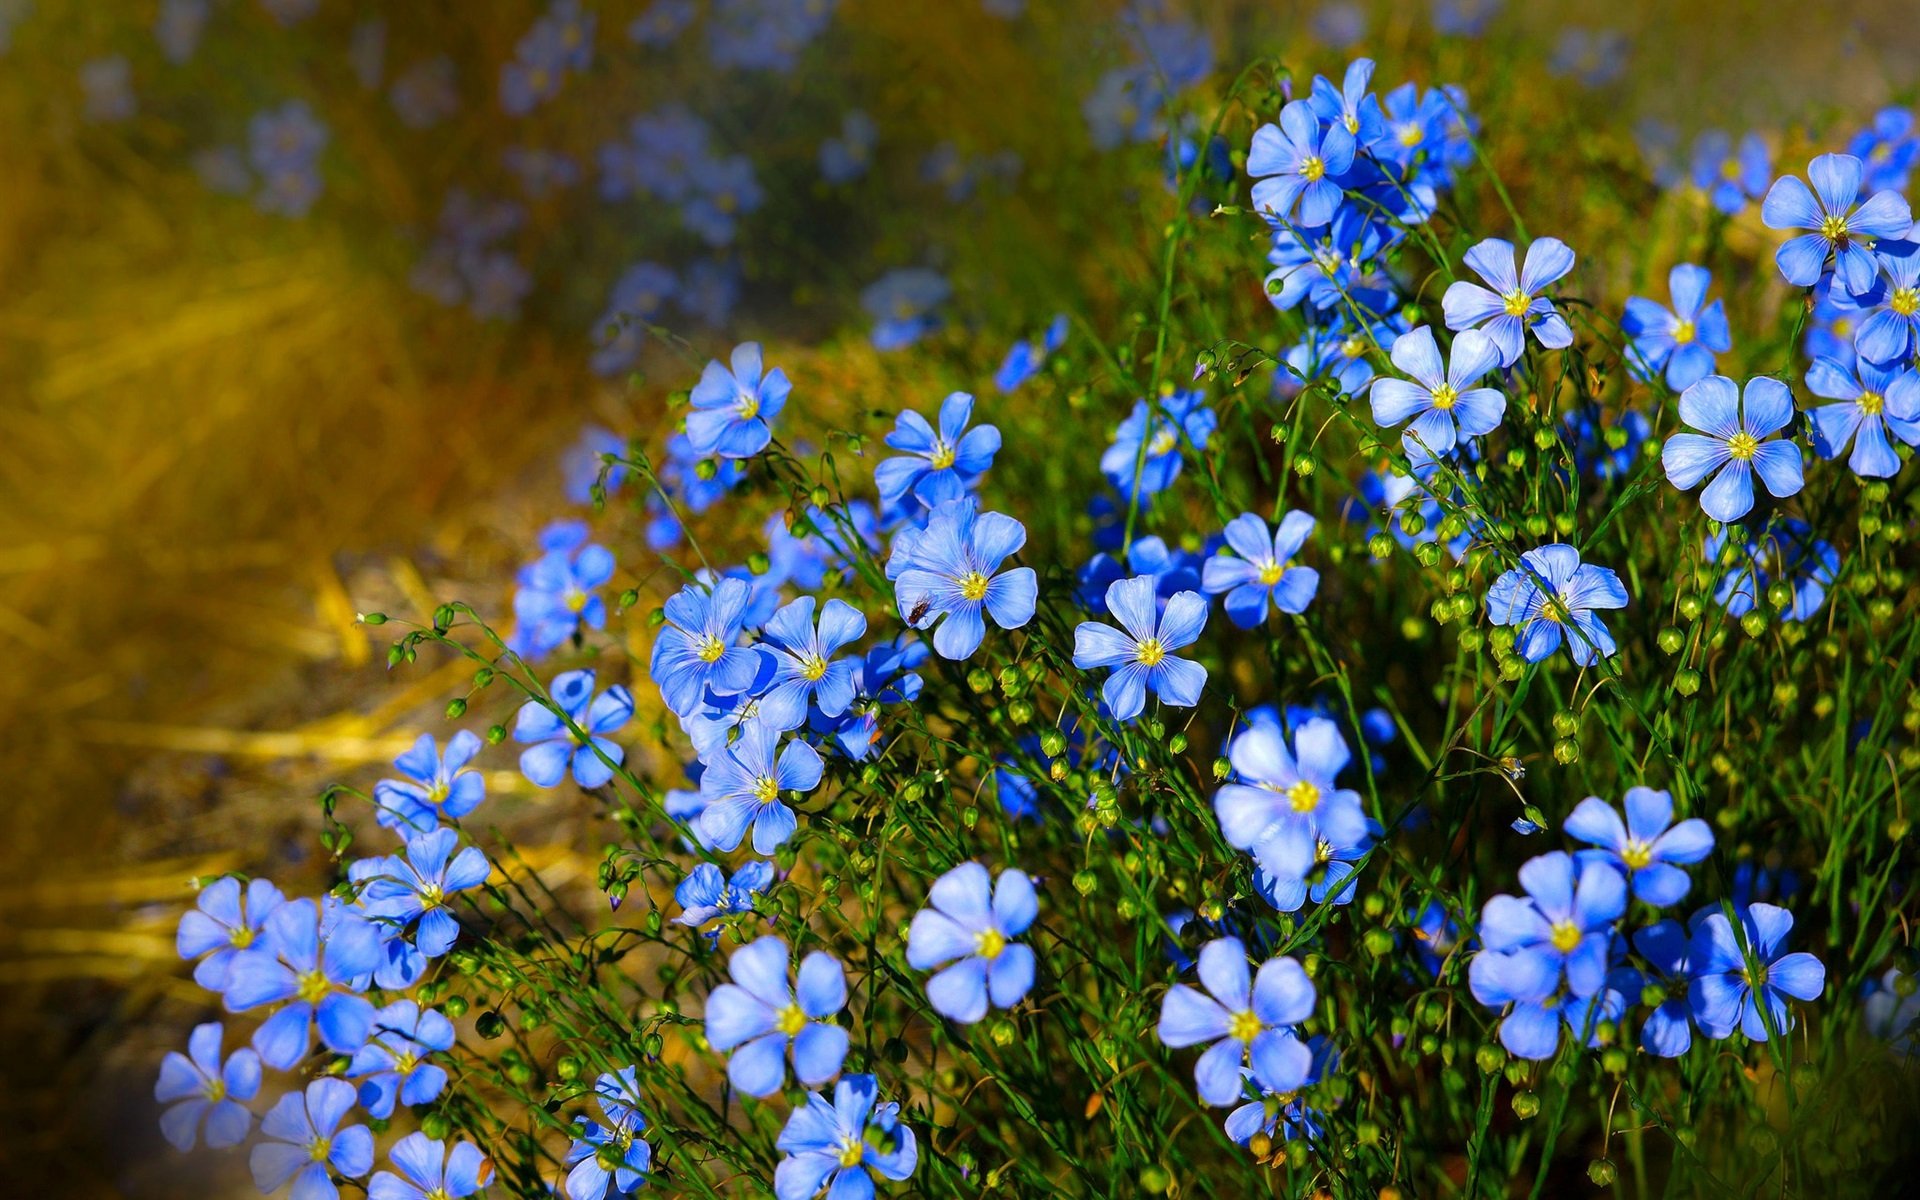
[1146, 450]
[198, 1087]
[556, 747]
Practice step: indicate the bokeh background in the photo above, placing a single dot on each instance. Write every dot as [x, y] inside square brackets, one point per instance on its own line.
[225, 430]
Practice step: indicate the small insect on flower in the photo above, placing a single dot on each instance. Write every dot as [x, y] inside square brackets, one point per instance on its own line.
[953, 567]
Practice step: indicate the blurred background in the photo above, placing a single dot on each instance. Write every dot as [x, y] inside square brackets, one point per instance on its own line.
[303, 303]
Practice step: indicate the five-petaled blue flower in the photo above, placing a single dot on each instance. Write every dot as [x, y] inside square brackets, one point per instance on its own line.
[1731, 444]
[393, 1066]
[951, 570]
[1141, 651]
[1248, 1019]
[224, 921]
[697, 651]
[707, 893]
[197, 1086]
[1876, 404]
[557, 747]
[1647, 847]
[1295, 162]
[307, 1142]
[938, 464]
[1281, 806]
[1514, 304]
[839, 1147]
[733, 409]
[428, 1171]
[314, 959]
[1549, 590]
[1838, 228]
[971, 923]
[437, 786]
[628, 1157]
[803, 664]
[557, 597]
[1261, 569]
[1442, 400]
[742, 786]
[760, 1015]
[1892, 333]
[418, 884]
[1728, 989]
[1681, 343]
[1146, 448]
[1564, 928]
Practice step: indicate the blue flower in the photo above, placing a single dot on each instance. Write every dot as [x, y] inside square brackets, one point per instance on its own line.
[838, 1147]
[742, 786]
[1247, 1018]
[1286, 1115]
[1514, 305]
[1261, 569]
[1329, 878]
[757, 1017]
[556, 598]
[1787, 551]
[393, 1066]
[198, 1087]
[1680, 343]
[628, 1156]
[1352, 105]
[1141, 651]
[1563, 929]
[416, 887]
[436, 786]
[1323, 265]
[707, 893]
[428, 1172]
[1442, 402]
[902, 305]
[971, 922]
[1146, 449]
[1668, 1031]
[582, 463]
[1549, 590]
[1281, 805]
[846, 158]
[732, 409]
[1731, 178]
[313, 961]
[1025, 358]
[1892, 1009]
[557, 747]
[939, 465]
[724, 190]
[1731, 446]
[698, 651]
[1887, 148]
[307, 1142]
[951, 570]
[1647, 846]
[1295, 164]
[1735, 972]
[1892, 333]
[224, 921]
[804, 666]
[1839, 229]
[1874, 403]
[886, 677]
[638, 298]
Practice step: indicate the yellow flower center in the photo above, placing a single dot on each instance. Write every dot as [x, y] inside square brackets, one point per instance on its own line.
[747, 405]
[1303, 797]
[431, 896]
[1353, 347]
[405, 1063]
[711, 649]
[318, 1149]
[1515, 302]
[1352, 123]
[1683, 332]
[1566, 935]
[726, 202]
[1245, 1026]
[1637, 854]
[214, 1090]
[1834, 229]
[1730, 170]
[1271, 571]
[1905, 301]
[240, 937]
[791, 1020]
[314, 987]
[766, 789]
[1162, 443]
[1312, 169]
[1843, 328]
[851, 1152]
[1871, 403]
[575, 599]
[973, 586]
[1445, 396]
[988, 943]
[1150, 652]
[1410, 134]
[1742, 445]
[942, 456]
[813, 667]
